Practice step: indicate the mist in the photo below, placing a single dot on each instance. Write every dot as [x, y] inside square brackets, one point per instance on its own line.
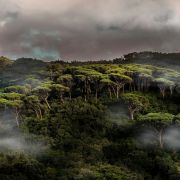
[13, 139]
[119, 113]
[148, 137]
[172, 138]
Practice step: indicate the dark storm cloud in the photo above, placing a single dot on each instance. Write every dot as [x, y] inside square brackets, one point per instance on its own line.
[82, 29]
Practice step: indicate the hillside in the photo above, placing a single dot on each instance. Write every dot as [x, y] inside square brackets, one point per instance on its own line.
[78, 121]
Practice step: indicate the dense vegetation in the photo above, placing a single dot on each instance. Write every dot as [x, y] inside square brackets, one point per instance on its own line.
[61, 112]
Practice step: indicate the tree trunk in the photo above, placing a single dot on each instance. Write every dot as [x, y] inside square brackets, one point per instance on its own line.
[123, 89]
[17, 116]
[134, 87]
[96, 95]
[85, 97]
[85, 91]
[171, 90]
[162, 92]
[40, 113]
[117, 92]
[131, 114]
[130, 87]
[61, 97]
[161, 139]
[114, 91]
[110, 94]
[37, 115]
[132, 111]
[47, 102]
[70, 95]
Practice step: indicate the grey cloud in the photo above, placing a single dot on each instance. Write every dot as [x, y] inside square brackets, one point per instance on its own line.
[87, 29]
[164, 17]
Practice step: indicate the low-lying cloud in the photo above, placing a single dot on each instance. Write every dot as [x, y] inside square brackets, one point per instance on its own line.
[12, 139]
[149, 137]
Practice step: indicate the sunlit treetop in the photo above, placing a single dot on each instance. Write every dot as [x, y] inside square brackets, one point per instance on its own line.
[120, 77]
[139, 68]
[11, 96]
[59, 87]
[18, 89]
[107, 81]
[158, 120]
[136, 99]
[65, 77]
[164, 82]
[102, 68]
[117, 70]
[88, 72]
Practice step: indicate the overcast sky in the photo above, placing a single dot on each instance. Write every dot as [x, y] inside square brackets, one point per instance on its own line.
[87, 29]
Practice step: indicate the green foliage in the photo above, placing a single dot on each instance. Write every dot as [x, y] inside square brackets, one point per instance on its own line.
[65, 103]
[20, 167]
[11, 100]
[135, 99]
[136, 102]
[11, 96]
[154, 117]
[157, 120]
[106, 171]
[17, 89]
[60, 88]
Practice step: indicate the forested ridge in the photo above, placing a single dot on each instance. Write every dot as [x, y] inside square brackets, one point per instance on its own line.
[98, 120]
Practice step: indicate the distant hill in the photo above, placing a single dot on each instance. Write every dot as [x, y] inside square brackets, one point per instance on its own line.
[28, 65]
[168, 60]
[14, 72]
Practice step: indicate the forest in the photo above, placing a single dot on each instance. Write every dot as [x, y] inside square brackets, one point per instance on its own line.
[95, 120]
